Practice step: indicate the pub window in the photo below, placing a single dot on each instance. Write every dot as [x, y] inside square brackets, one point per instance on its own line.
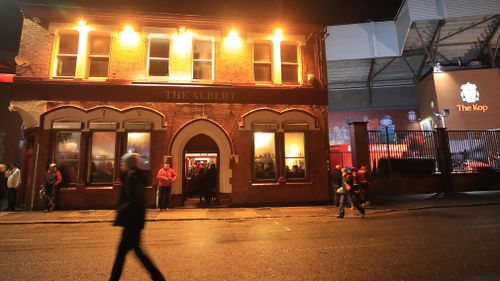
[264, 156]
[140, 143]
[202, 59]
[99, 47]
[159, 57]
[67, 54]
[102, 158]
[289, 64]
[67, 155]
[295, 161]
[262, 62]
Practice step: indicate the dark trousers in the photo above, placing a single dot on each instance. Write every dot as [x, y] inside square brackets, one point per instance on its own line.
[164, 196]
[50, 197]
[131, 239]
[354, 201]
[11, 196]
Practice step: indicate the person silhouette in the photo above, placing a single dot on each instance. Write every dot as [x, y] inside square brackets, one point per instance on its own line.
[131, 215]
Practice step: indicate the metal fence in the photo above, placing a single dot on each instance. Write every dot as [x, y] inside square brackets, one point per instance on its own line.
[474, 151]
[403, 151]
[417, 151]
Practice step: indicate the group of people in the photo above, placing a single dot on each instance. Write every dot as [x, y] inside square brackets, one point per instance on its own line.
[349, 185]
[202, 180]
[10, 180]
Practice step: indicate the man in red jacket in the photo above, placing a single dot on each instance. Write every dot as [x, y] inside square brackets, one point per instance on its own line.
[166, 176]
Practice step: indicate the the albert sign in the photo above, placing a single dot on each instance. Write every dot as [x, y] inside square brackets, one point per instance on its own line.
[470, 95]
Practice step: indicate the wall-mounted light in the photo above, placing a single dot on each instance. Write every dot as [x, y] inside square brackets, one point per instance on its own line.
[128, 36]
[232, 40]
[437, 68]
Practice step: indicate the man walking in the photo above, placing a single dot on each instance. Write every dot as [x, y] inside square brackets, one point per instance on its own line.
[13, 182]
[348, 191]
[166, 176]
[52, 180]
[131, 214]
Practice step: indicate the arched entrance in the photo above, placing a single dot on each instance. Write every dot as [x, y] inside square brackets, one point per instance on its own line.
[200, 172]
[204, 135]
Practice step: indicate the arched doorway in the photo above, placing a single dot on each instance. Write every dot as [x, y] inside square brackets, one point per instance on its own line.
[213, 131]
[200, 173]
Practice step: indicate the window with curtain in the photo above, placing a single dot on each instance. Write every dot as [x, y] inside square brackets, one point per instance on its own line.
[202, 59]
[295, 161]
[264, 156]
[262, 62]
[102, 158]
[67, 54]
[289, 64]
[159, 56]
[67, 155]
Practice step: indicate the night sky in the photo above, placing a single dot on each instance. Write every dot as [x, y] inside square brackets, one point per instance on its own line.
[328, 12]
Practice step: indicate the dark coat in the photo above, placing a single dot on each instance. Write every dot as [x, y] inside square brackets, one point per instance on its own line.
[3, 185]
[211, 178]
[131, 209]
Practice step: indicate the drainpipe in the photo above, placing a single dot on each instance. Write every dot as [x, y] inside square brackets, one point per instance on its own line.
[33, 187]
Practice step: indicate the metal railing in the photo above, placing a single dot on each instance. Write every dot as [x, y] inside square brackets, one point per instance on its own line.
[474, 151]
[405, 151]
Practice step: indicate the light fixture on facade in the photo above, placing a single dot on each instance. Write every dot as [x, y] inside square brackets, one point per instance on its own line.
[128, 36]
[181, 29]
[232, 40]
[82, 23]
[438, 68]
[278, 34]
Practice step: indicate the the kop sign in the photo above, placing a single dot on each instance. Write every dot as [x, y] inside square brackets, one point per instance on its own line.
[470, 95]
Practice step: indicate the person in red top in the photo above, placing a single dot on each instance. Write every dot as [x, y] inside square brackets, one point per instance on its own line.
[52, 180]
[166, 176]
[362, 180]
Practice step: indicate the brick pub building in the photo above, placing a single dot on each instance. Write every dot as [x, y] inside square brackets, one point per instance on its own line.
[247, 96]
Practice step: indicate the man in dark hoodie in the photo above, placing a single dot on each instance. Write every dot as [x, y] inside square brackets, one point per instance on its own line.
[131, 214]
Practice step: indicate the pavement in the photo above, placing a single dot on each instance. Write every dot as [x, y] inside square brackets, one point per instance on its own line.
[379, 205]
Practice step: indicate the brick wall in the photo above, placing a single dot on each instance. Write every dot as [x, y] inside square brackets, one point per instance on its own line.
[36, 48]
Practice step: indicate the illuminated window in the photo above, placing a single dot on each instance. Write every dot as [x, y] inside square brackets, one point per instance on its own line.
[202, 59]
[295, 161]
[102, 158]
[262, 62]
[159, 56]
[289, 64]
[99, 47]
[67, 155]
[140, 143]
[264, 156]
[67, 54]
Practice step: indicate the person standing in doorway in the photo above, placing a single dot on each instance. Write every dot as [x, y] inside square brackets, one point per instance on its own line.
[13, 182]
[131, 215]
[211, 184]
[166, 175]
[52, 180]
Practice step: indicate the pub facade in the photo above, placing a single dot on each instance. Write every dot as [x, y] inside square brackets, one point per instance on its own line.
[249, 97]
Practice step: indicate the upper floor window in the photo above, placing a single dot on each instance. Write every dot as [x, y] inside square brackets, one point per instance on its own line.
[99, 54]
[159, 57]
[67, 54]
[262, 62]
[202, 59]
[289, 64]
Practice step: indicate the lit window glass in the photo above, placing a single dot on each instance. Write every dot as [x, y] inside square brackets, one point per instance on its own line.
[262, 62]
[289, 64]
[202, 59]
[99, 46]
[295, 164]
[264, 156]
[67, 53]
[140, 143]
[102, 158]
[67, 156]
[159, 55]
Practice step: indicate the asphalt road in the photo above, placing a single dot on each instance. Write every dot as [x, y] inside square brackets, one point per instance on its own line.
[434, 244]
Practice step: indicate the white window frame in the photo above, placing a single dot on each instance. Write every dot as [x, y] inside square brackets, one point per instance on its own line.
[90, 56]
[149, 58]
[58, 54]
[212, 60]
[297, 64]
[270, 63]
